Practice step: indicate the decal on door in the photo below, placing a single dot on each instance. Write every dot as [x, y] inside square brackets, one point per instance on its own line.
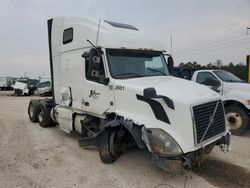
[118, 87]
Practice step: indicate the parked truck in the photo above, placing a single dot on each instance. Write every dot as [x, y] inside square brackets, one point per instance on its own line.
[44, 86]
[235, 94]
[111, 84]
[25, 86]
[5, 83]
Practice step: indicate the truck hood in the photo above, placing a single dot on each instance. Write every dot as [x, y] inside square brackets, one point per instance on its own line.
[239, 86]
[19, 85]
[176, 121]
[174, 88]
[238, 92]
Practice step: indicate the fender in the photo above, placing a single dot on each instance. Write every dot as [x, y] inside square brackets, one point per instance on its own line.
[133, 129]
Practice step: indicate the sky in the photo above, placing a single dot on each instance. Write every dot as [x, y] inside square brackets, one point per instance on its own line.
[202, 30]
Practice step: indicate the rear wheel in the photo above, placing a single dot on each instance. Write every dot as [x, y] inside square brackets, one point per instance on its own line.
[109, 146]
[238, 119]
[33, 110]
[44, 116]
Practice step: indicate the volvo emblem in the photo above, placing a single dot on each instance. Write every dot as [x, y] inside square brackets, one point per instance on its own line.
[211, 120]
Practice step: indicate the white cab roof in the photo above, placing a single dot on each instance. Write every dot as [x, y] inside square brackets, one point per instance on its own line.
[111, 35]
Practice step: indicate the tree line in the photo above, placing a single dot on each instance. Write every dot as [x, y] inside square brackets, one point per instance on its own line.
[239, 69]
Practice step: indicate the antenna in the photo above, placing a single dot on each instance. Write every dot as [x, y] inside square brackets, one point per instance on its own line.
[95, 48]
[91, 43]
[171, 45]
[97, 35]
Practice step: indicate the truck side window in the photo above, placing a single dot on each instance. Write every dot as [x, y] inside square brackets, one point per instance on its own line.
[68, 35]
[88, 72]
[207, 78]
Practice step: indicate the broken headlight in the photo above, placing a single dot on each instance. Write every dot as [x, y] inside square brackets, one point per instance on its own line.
[162, 143]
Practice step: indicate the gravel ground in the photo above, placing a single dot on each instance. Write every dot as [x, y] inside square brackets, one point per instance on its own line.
[31, 156]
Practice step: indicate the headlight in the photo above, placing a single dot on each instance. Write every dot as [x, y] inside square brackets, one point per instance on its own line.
[162, 143]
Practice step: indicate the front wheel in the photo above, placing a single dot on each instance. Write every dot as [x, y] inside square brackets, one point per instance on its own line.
[238, 119]
[109, 146]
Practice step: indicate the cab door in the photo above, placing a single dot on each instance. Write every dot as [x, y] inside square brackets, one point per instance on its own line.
[101, 99]
[99, 95]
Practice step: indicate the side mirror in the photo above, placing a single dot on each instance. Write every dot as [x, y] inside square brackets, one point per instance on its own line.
[93, 60]
[86, 55]
[170, 63]
[212, 82]
[106, 81]
[95, 66]
[96, 60]
[216, 85]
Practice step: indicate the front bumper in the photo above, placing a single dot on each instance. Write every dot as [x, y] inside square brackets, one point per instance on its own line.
[195, 158]
[18, 92]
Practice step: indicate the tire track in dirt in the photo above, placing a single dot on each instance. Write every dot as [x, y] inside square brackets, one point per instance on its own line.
[37, 157]
[224, 174]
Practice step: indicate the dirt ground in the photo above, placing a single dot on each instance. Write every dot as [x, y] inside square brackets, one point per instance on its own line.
[31, 156]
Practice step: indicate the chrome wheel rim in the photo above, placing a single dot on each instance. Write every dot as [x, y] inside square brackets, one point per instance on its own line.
[31, 110]
[40, 116]
[234, 119]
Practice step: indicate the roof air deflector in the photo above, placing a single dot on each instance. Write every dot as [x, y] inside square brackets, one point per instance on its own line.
[121, 25]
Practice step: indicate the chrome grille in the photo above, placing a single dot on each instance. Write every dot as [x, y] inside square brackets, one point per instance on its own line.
[205, 121]
[18, 91]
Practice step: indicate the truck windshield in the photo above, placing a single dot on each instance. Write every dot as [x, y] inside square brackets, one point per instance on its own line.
[124, 64]
[43, 84]
[227, 76]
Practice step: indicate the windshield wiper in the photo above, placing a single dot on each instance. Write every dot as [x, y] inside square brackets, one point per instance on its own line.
[133, 74]
[155, 70]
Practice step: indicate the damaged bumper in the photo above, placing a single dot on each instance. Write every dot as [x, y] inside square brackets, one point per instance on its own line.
[195, 158]
[192, 159]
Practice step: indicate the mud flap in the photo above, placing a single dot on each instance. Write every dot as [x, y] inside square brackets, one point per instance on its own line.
[88, 142]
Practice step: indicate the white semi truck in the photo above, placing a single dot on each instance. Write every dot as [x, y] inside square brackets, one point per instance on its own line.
[111, 84]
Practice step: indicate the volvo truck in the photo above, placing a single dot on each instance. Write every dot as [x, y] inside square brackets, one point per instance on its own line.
[111, 84]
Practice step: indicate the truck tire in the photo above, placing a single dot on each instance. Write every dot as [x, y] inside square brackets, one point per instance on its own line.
[106, 142]
[29, 93]
[237, 118]
[33, 110]
[44, 115]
